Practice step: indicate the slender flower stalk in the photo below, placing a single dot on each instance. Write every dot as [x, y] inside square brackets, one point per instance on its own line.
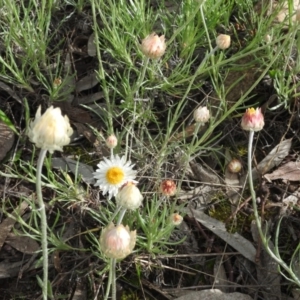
[50, 131]
[252, 121]
[43, 217]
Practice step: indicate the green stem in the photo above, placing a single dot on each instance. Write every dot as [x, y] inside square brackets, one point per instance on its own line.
[122, 214]
[110, 275]
[141, 77]
[134, 93]
[43, 221]
[263, 237]
[112, 269]
[113, 275]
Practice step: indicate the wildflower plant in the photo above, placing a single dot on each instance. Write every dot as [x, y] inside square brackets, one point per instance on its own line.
[157, 223]
[152, 95]
[253, 121]
[115, 177]
[50, 131]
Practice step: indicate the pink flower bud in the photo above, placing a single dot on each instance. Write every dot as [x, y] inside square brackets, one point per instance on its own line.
[176, 219]
[153, 46]
[111, 141]
[223, 41]
[168, 187]
[117, 241]
[201, 115]
[234, 166]
[129, 196]
[253, 120]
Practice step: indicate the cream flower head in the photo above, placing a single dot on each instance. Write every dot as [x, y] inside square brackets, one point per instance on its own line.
[201, 115]
[113, 173]
[50, 131]
[117, 241]
[129, 196]
[176, 219]
[223, 41]
[153, 46]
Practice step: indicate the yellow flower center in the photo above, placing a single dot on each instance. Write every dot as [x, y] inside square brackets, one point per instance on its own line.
[115, 175]
[251, 111]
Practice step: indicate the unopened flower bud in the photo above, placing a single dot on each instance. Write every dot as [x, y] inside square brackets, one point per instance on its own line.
[223, 41]
[234, 166]
[111, 141]
[117, 241]
[129, 196]
[168, 187]
[253, 120]
[153, 46]
[201, 115]
[176, 219]
[50, 131]
[267, 38]
[57, 82]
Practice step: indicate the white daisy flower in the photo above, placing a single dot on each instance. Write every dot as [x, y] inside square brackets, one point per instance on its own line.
[113, 173]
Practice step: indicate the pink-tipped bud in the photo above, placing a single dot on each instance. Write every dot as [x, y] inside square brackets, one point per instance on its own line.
[235, 166]
[176, 219]
[253, 120]
[153, 46]
[111, 141]
[129, 196]
[117, 241]
[223, 41]
[168, 187]
[201, 115]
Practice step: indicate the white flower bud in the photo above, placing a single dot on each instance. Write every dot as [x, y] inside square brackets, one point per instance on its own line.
[50, 131]
[223, 41]
[111, 141]
[234, 166]
[129, 196]
[117, 241]
[201, 115]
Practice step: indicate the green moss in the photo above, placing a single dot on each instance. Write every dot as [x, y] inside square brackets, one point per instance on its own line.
[85, 156]
[223, 212]
[129, 295]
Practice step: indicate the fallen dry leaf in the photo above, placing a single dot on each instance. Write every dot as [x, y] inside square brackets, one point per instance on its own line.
[8, 223]
[289, 171]
[24, 244]
[91, 47]
[7, 138]
[242, 245]
[273, 159]
[87, 82]
[214, 294]
[220, 277]
[204, 174]
[267, 270]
